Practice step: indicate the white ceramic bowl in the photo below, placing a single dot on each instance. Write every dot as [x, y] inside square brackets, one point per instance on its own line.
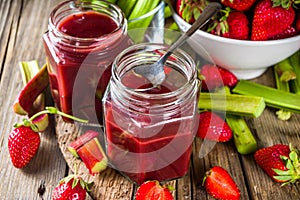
[246, 59]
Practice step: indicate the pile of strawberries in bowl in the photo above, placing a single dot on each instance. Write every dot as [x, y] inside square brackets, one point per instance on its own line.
[246, 36]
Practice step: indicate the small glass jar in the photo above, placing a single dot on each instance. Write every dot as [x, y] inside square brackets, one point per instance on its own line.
[82, 40]
[149, 132]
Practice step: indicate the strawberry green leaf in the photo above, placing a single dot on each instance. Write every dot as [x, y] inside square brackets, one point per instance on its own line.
[282, 172]
[283, 178]
[75, 182]
[289, 165]
[293, 156]
[196, 13]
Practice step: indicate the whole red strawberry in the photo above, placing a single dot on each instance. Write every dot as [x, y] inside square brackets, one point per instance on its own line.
[280, 162]
[240, 5]
[23, 144]
[190, 10]
[220, 185]
[298, 23]
[271, 17]
[213, 127]
[24, 140]
[230, 24]
[289, 32]
[213, 77]
[71, 187]
[152, 190]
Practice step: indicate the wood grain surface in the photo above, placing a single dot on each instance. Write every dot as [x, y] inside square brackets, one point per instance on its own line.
[22, 25]
[251, 180]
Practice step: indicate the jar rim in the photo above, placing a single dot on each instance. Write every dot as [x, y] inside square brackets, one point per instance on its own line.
[121, 20]
[137, 92]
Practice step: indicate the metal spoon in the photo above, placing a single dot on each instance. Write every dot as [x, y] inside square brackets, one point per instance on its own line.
[155, 72]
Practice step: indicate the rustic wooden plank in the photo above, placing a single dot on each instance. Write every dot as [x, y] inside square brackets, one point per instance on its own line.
[269, 130]
[21, 27]
[21, 30]
[109, 184]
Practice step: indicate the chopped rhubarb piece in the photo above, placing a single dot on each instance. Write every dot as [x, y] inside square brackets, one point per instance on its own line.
[81, 140]
[93, 156]
[41, 122]
[31, 91]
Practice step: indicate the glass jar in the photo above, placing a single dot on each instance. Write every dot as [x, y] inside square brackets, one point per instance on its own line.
[149, 132]
[82, 40]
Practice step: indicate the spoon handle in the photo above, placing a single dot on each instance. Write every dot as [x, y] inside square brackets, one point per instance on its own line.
[205, 16]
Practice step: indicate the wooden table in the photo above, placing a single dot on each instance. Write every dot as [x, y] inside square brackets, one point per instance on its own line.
[21, 27]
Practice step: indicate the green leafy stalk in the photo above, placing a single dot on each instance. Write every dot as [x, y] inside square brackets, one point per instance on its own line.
[284, 86]
[140, 18]
[295, 62]
[126, 6]
[273, 97]
[244, 141]
[232, 103]
[243, 138]
[28, 70]
[285, 71]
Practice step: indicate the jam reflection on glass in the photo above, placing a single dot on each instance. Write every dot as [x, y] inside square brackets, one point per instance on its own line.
[80, 66]
[149, 147]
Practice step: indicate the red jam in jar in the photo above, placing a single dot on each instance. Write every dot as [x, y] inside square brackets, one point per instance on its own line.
[81, 43]
[149, 132]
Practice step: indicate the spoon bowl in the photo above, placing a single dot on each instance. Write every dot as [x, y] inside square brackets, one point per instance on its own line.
[155, 72]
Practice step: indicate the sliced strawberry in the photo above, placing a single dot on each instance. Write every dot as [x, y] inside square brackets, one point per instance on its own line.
[220, 185]
[214, 77]
[213, 127]
[280, 162]
[152, 190]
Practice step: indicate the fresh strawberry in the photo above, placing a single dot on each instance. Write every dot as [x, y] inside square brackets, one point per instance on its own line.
[238, 26]
[70, 188]
[213, 127]
[298, 23]
[289, 32]
[23, 144]
[240, 5]
[271, 17]
[190, 10]
[24, 140]
[220, 185]
[152, 190]
[213, 76]
[230, 24]
[280, 162]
